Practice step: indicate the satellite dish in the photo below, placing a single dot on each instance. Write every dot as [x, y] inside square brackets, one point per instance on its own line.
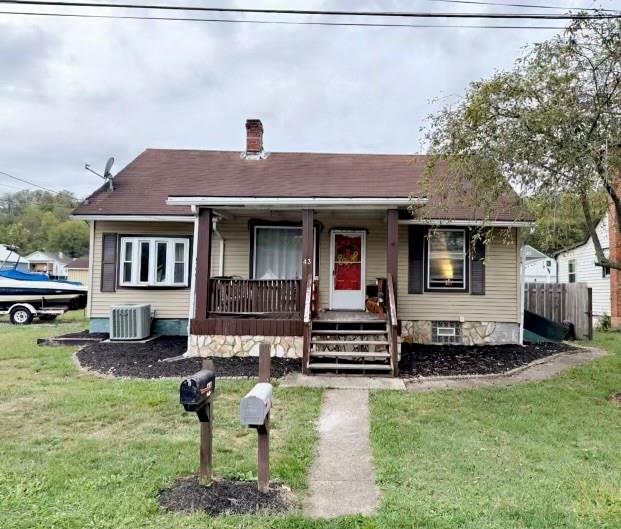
[107, 173]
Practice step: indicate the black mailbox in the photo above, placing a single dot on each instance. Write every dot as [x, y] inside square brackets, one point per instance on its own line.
[195, 392]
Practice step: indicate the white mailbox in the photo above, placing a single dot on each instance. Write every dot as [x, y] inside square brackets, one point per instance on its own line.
[255, 406]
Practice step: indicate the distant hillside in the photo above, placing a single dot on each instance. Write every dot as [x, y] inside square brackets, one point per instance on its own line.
[39, 220]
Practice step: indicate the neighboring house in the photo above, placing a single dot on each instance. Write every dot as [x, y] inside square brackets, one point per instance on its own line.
[9, 259]
[538, 267]
[50, 263]
[77, 270]
[233, 241]
[577, 265]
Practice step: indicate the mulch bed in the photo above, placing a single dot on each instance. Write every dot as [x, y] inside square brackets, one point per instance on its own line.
[225, 497]
[144, 360]
[450, 360]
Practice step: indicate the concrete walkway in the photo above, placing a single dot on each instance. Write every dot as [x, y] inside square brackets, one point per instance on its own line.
[341, 478]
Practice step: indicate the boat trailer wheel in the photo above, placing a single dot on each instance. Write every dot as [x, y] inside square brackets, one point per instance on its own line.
[21, 316]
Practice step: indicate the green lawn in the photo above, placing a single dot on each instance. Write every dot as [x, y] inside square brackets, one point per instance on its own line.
[82, 452]
[538, 456]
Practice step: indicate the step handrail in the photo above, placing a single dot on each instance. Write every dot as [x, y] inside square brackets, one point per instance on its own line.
[306, 341]
[392, 325]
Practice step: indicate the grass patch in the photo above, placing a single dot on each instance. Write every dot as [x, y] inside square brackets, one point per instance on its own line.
[82, 452]
[542, 455]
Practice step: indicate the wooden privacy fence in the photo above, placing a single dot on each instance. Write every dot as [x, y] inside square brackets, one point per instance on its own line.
[561, 302]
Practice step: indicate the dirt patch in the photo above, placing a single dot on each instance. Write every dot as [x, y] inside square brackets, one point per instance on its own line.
[225, 497]
[450, 360]
[147, 360]
[615, 398]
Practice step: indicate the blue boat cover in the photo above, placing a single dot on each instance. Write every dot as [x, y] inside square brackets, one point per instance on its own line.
[24, 276]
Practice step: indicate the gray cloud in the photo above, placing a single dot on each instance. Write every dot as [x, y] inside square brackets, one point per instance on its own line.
[76, 90]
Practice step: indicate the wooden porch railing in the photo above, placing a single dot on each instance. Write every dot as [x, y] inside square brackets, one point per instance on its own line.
[254, 296]
[391, 315]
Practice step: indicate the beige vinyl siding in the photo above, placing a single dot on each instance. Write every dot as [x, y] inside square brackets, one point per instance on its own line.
[168, 303]
[500, 302]
[78, 274]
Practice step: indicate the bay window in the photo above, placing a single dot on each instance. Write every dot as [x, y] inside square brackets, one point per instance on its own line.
[446, 259]
[154, 262]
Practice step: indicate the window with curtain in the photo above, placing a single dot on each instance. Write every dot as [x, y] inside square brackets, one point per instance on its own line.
[277, 252]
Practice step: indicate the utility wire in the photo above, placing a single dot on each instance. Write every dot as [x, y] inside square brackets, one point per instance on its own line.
[280, 22]
[401, 14]
[532, 6]
[28, 182]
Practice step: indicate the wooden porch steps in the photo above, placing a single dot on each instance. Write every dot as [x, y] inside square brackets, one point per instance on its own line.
[349, 367]
[347, 344]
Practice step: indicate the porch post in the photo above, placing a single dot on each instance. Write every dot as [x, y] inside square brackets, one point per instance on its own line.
[203, 262]
[308, 257]
[308, 248]
[392, 247]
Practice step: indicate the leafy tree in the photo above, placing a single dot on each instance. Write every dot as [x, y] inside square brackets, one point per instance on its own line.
[551, 128]
[557, 225]
[39, 220]
[70, 237]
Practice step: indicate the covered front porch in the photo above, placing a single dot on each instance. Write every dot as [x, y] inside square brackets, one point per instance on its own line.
[288, 276]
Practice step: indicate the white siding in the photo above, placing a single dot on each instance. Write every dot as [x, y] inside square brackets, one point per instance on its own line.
[587, 272]
[538, 271]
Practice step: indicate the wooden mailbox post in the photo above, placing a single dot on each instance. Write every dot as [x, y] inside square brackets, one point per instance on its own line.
[254, 412]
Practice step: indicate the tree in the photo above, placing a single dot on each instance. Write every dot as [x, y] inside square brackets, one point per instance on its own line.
[70, 237]
[550, 128]
[40, 220]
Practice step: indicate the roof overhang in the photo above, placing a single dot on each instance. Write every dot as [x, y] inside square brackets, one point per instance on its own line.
[455, 222]
[293, 202]
[136, 218]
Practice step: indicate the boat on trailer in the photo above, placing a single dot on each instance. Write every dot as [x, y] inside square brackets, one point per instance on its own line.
[24, 295]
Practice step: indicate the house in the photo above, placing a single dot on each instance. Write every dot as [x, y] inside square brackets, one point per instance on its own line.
[77, 270]
[50, 263]
[577, 264]
[236, 248]
[11, 259]
[538, 267]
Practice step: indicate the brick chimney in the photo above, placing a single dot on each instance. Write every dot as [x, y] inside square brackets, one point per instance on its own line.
[254, 137]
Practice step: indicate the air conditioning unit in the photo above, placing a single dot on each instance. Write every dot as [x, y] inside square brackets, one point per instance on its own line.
[130, 322]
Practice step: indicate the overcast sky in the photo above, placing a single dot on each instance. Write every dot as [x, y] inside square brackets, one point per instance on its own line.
[77, 90]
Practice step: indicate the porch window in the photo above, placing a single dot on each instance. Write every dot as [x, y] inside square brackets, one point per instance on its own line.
[446, 259]
[277, 252]
[154, 261]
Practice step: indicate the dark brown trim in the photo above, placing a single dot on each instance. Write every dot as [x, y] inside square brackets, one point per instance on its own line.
[203, 261]
[247, 327]
[392, 248]
[109, 259]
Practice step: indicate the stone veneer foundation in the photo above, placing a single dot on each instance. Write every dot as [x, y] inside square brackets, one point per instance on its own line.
[229, 346]
[472, 332]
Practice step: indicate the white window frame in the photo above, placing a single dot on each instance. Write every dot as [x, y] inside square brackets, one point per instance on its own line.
[278, 227]
[571, 262]
[430, 234]
[152, 275]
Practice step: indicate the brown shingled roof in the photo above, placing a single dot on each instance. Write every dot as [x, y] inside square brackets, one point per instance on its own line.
[143, 186]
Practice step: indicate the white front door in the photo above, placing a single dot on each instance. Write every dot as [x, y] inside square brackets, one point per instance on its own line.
[347, 258]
